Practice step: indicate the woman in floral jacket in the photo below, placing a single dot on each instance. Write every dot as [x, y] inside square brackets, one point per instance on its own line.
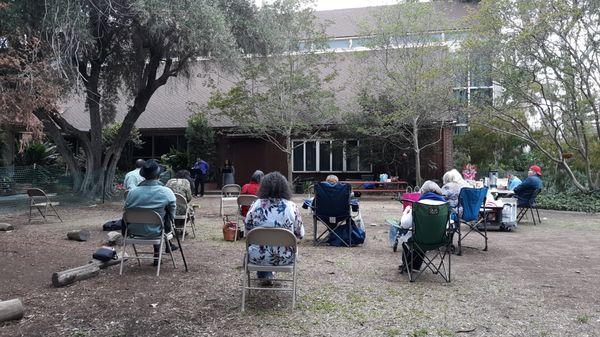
[273, 209]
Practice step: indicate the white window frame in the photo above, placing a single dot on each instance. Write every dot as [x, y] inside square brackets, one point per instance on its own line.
[318, 156]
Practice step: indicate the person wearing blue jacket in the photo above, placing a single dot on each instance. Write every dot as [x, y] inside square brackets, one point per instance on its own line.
[513, 181]
[525, 192]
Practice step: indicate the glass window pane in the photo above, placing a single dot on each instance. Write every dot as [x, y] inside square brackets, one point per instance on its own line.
[311, 156]
[324, 156]
[352, 155]
[338, 44]
[480, 72]
[298, 156]
[337, 151]
[461, 96]
[365, 158]
[481, 97]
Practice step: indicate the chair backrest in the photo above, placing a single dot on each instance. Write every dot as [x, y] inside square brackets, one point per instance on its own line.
[180, 199]
[471, 200]
[430, 218]
[332, 200]
[246, 199]
[231, 190]
[144, 216]
[279, 237]
[36, 192]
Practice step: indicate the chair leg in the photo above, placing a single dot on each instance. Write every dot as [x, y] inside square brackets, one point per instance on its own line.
[160, 250]
[315, 242]
[244, 286]
[532, 216]
[30, 209]
[185, 222]
[137, 256]
[459, 239]
[56, 212]
[171, 254]
[123, 253]
[294, 288]
[449, 264]
[221, 208]
[538, 214]
[193, 222]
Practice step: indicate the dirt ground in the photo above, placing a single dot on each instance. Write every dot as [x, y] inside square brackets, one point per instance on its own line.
[537, 281]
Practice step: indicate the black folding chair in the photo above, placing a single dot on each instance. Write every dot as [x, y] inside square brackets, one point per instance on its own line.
[530, 206]
[331, 207]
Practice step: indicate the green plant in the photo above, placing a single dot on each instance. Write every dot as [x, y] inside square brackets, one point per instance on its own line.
[583, 318]
[200, 138]
[40, 153]
[419, 333]
[579, 202]
[109, 135]
[176, 160]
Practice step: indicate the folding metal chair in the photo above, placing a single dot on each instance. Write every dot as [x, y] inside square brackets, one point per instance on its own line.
[188, 217]
[470, 202]
[144, 216]
[244, 200]
[331, 207]
[279, 237]
[430, 232]
[229, 193]
[529, 207]
[40, 201]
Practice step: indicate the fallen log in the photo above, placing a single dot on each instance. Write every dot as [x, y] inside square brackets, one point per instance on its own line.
[11, 310]
[66, 277]
[79, 235]
[6, 227]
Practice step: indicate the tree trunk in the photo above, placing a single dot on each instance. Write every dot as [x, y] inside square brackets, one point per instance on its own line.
[416, 148]
[288, 155]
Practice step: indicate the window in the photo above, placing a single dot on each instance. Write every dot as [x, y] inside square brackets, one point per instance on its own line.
[330, 156]
[338, 44]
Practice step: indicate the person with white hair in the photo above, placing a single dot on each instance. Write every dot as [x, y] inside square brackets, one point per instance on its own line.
[429, 191]
[453, 183]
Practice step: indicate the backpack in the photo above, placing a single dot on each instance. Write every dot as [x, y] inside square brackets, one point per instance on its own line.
[113, 225]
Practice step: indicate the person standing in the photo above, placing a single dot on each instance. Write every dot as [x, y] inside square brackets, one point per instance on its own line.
[228, 173]
[200, 169]
[133, 178]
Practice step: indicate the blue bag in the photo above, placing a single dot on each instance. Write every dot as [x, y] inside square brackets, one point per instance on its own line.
[358, 235]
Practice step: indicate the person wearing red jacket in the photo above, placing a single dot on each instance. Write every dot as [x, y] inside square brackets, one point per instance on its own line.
[252, 187]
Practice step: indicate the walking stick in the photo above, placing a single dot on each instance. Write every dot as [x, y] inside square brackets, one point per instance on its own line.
[180, 246]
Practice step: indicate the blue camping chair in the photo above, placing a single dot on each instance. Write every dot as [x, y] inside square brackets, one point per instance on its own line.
[470, 202]
[331, 207]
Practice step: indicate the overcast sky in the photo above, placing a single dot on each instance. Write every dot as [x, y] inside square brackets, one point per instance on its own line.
[322, 5]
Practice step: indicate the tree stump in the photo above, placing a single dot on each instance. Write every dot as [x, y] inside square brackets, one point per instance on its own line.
[79, 235]
[6, 227]
[11, 310]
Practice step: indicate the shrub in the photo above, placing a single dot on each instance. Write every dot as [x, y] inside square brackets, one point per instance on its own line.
[570, 202]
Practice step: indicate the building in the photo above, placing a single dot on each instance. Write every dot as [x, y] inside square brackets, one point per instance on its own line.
[163, 123]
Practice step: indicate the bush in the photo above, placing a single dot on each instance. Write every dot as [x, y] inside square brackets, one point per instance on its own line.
[570, 202]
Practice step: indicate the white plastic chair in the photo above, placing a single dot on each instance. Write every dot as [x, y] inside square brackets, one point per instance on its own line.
[229, 193]
[188, 217]
[40, 201]
[243, 200]
[148, 217]
[270, 237]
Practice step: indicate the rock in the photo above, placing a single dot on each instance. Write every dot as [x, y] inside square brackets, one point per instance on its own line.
[79, 235]
[4, 227]
[114, 238]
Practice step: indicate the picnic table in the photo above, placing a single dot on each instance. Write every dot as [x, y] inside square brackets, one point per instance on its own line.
[379, 186]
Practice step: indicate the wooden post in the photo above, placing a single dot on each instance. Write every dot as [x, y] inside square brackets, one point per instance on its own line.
[6, 227]
[66, 277]
[11, 310]
[79, 235]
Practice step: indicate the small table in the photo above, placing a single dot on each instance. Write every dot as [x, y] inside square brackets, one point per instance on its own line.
[501, 193]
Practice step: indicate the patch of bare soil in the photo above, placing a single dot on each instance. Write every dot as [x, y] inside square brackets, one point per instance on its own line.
[537, 281]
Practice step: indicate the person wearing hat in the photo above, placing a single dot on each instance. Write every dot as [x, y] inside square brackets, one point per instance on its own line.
[152, 194]
[526, 190]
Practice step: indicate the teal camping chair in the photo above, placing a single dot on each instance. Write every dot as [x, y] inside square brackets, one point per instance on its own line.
[430, 233]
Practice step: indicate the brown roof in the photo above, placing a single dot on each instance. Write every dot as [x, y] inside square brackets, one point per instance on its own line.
[169, 106]
[346, 22]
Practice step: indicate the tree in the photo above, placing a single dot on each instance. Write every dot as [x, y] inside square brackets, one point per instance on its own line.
[546, 58]
[200, 137]
[406, 82]
[283, 92]
[109, 49]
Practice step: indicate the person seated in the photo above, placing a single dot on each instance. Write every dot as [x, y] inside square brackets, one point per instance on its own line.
[133, 178]
[332, 179]
[181, 185]
[526, 190]
[252, 187]
[274, 209]
[513, 181]
[453, 183]
[151, 194]
[429, 191]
